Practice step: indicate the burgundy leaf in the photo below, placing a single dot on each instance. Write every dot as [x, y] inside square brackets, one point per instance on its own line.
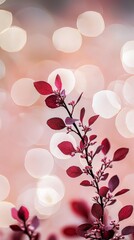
[92, 120]
[51, 101]
[121, 192]
[80, 208]
[120, 154]
[82, 229]
[14, 214]
[35, 222]
[85, 183]
[74, 171]
[113, 183]
[70, 120]
[56, 123]
[92, 137]
[108, 234]
[79, 98]
[58, 82]
[23, 213]
[96, 210]
[69, 231]
[37, 236]
[103, 191]
[16, 228]
[128, 230]
[112, 202]
[81, 145]
[125, 212]
[99, 148]
[66, 147]
[105, 146]
[82, 113]
[85, 138]
[52, 237]
[44, 88]
[104, 176]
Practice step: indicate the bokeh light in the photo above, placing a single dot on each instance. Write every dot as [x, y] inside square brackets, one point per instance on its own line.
[5, 211]
[130, 120]
[5, 19]
[89, 80]
[67, 39]
[58, 138]
[24, 93]
[2, 1]
[106, 103]
[117, 87]
[128, 92]
[2, 69]
[127, 57]
[13, 39]
[38, 162]
[67, 78]
[4, 187]
[90, 24]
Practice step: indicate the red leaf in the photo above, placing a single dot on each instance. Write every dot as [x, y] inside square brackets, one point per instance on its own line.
[80, 208]
[92, 120]
[35, 222]
[79, 98]
[69, 231]
[82, 113]
[51, 101]
[92, 137]
[70, 121]
[66, 147]
[74, 171]
[99, 148]
[56, 123]
[104, 176]
[52, 237]
[121, 192]
[37, 236]
[112, 202]
[113, 183]
[125, 212]
[14, 214]
[85, 183]
[103, 191]
[105, 146]
[58, 82]
[23, 213]
[120, 154]
[15, 228]
[44, 88]
[108, 234]
[127, 230]
[96, 210]
[82, 229]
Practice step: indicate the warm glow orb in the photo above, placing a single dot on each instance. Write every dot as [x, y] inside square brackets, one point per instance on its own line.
[5, 212]
[2, 69]
[67, 78]
[24, 93]
[4, 187]
[58, 138]
[13, 39]
[130, 120]
[2, 1]
[127, 56]
[3, 97]
[106, 103]
[117, 87]
[38, 162]
[67, 39]
[121, 124]
[128, 90]
[90, 24]
[89, 80]
[5, 19]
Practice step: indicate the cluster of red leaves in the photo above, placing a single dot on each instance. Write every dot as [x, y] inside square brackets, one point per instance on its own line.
[95, 227]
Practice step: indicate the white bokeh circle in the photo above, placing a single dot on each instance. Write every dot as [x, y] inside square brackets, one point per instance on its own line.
[5, 19]
[130, 120]
[127, 57]
[128, 90]
[5, 212]
[4, 187]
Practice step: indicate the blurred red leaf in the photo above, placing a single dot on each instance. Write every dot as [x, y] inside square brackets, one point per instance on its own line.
[83, 228]
[74, 171]
[96, 210]
[14, 214]
[44, 88]
[15, 228]
[51, 101]
[70, 120]
[103, 191]
[92, 120]
[58, 82]
[37, 236]
[105, 146]
[80, 208]
[99, 148]
[104, 176]
[23, 213]
[52, 237]
[79, 98]
[66, 147]
[108, 234]
[85, 183]
[92, 137]
[112, 202]
[35, 222]
[120, 154]
[113, 183]
[82, 114]
[127, 230]
[121, 192]
[56, 123]
[125, 212]
[70, 231]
